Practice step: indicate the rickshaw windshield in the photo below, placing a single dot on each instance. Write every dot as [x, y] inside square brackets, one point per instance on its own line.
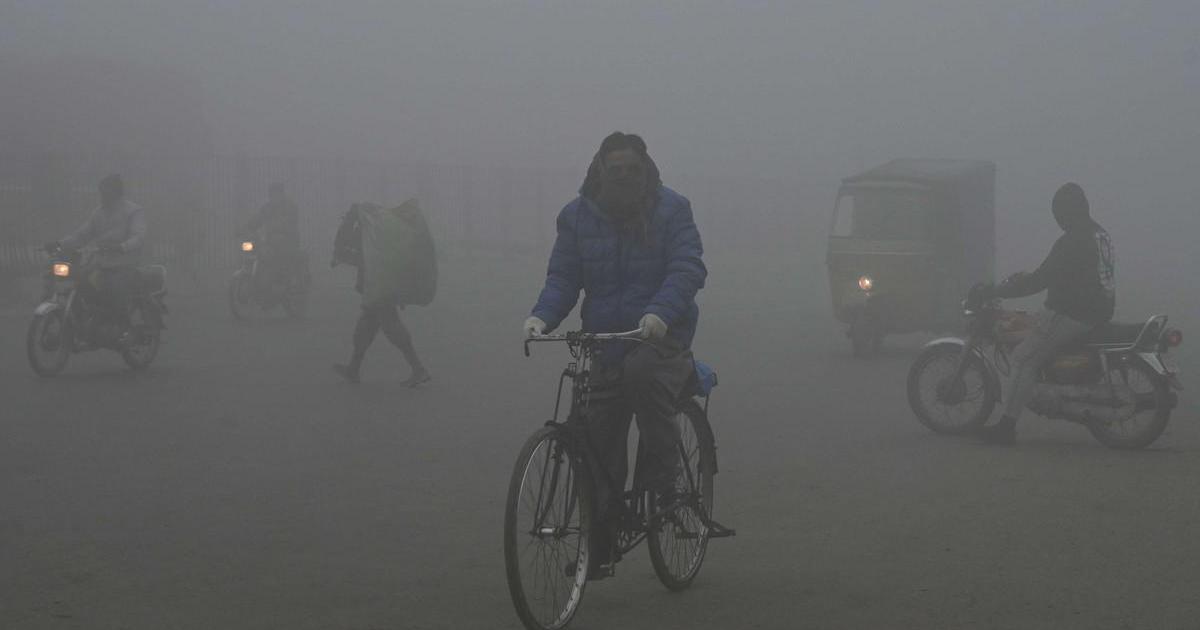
[883, 213]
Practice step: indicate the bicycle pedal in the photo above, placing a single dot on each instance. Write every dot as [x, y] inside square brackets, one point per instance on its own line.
[721, 532]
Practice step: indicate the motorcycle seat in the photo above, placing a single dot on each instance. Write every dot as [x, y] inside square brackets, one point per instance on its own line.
[1017, 326]
[1113, 334]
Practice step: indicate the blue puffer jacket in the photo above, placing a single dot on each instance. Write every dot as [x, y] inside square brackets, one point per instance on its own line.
[622, 276]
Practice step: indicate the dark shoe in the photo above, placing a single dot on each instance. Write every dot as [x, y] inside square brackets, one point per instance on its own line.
[597, 571]
[1003, 432]
[346, 372]
[416, 379]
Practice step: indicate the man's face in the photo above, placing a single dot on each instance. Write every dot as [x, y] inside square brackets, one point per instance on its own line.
[1059, 218]
[624, 186]
[109, 194]
[624, 167]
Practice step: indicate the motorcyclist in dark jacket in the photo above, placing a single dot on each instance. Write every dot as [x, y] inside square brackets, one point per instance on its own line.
[277, 226]
[1079, 279]
[118, 228]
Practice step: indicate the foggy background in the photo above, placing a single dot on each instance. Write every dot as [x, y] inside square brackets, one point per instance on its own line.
[1101, 92]
[237, 483]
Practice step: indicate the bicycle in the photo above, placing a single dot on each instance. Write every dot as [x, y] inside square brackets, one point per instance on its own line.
[550, 510]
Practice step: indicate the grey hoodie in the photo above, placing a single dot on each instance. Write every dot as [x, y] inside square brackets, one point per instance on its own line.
[122, 227]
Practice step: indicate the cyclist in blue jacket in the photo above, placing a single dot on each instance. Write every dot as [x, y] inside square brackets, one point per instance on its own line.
[631, 245]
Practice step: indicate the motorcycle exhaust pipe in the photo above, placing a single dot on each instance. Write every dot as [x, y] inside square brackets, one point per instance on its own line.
[1088, 403]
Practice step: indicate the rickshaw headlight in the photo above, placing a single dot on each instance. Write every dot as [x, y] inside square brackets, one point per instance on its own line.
[866, 283]
[247, 246]
[61, 270]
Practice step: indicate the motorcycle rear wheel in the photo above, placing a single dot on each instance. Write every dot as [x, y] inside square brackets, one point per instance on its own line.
[1144, 427]
[147, 334]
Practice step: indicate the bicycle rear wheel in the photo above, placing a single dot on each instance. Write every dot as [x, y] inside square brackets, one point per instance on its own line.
[547, 522]
[679, 541]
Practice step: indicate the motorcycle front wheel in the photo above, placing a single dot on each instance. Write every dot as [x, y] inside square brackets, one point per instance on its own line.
[941, 403]
[48, 343]
[241, 294]
[295, 303]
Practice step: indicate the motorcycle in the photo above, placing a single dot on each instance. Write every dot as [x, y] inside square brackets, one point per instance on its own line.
[73, 317]
[1116, 381]
[251, 285]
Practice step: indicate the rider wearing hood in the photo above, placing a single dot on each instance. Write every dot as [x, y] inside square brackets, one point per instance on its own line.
[1078, 274]
[118, 229]
[631, 246]
[1079, 279]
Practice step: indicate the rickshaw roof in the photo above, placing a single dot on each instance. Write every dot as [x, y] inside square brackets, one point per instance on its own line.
[925, 171]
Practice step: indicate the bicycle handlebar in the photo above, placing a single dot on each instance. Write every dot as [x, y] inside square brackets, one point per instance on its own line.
[578, 337]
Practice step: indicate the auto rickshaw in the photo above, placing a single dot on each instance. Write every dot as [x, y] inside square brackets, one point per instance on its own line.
[907, 240]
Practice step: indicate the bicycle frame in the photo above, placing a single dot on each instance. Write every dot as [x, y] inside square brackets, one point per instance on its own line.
[632, 518]
[631, 510]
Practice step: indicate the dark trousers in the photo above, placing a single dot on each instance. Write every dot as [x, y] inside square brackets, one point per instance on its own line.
[385, 317]
[647, 384]
[276, 265]
[113, 288]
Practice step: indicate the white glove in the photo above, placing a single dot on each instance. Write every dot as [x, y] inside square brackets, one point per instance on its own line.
[653, 327]
[534, 327]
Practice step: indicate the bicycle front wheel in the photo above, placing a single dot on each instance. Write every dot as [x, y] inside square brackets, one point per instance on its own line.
[547, 522]
[679, 540]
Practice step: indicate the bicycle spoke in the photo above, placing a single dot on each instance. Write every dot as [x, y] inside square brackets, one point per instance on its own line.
[680, 538]
[549, 535]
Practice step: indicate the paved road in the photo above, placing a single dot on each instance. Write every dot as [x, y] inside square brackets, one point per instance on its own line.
[238, 484]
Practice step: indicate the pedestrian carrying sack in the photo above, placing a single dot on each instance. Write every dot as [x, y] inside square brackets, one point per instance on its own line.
[347, 243]
[400, 263]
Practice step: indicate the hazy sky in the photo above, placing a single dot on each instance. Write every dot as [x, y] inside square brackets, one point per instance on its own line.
[747, 86]
[1104, 92]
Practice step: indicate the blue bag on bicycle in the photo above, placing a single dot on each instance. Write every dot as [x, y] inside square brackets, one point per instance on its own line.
[706, 378]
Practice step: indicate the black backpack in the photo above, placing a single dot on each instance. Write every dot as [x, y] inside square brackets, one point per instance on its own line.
[347, 243]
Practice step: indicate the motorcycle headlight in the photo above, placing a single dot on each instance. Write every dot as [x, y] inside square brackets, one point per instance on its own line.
[247, 246]
[866, 283]
[61, 270]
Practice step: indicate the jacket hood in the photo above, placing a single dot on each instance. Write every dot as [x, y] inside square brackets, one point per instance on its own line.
[1070, 207]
